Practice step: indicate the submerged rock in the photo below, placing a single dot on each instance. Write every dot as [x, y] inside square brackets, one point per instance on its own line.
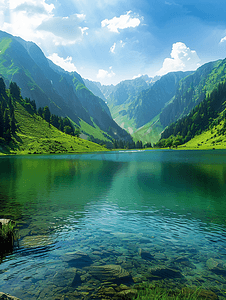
[77, 259]
[68, 277]
[145, 254]
[163, 272]
[33, 241]
[211, 264]
[216, 267]
[109, 272]
[127, 294]
[184, 262]
[4, 296]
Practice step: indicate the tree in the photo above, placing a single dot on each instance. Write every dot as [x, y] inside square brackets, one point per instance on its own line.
[2, 86]
[40, 112]
[14, 90]
[46, 114]
[12, 122]
[6, 120]
[68, 130]
[1, 122]
[77, 132]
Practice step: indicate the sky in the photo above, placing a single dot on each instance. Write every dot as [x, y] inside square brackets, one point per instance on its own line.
[114, 40]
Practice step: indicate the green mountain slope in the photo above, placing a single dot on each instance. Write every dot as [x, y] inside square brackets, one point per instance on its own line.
[63, 92]
[22, 131]
[192, 90]
[119, 98]
[205, 117]
[151, 101]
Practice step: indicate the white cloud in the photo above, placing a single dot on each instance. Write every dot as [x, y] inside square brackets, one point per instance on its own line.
[102, 74]
[31, 5]
[223, 39]
[67, 27]
[139, 75]
[34, 20]
[65, 64]
[21, 17]
[112, 49]
[117, 45]
[123, 22]
[182, 59]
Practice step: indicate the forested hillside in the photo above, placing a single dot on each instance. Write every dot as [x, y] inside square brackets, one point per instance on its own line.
[209, 113]
[192, 90]
[64, 93]
[24, 130]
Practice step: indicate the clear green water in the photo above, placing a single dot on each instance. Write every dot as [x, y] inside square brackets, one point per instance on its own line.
[142, 210]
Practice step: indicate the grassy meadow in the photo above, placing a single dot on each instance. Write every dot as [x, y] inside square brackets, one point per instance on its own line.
[35, 136]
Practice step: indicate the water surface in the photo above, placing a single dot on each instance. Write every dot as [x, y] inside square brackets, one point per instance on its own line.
[160, 215]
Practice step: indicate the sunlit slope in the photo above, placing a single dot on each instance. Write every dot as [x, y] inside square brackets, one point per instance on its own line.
[210, 139]
[63, 92]
[35, 136]
[150, 132]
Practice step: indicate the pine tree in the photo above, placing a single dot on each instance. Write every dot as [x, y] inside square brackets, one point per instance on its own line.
[46, 114]
[2, 86]
[1, 122]
[14, 90]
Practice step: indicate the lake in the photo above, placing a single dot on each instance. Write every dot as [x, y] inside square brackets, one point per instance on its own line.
[89, 220]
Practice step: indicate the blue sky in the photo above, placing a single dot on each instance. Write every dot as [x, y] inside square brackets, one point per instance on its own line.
[111, 40]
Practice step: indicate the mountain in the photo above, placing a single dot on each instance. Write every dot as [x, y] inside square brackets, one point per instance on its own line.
[126, 91]
[64, 93]
[120, 96]
[24, 131]
[150, 102]
[206, 123]
[95, 88]
[170, 98]
[192, 90]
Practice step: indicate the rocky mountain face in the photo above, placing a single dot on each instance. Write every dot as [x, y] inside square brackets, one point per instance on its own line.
[65, 93]
[147, 108]
[151, 101]
[120, 96]
[192, 90]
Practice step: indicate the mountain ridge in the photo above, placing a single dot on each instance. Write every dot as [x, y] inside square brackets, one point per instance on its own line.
[63, 92]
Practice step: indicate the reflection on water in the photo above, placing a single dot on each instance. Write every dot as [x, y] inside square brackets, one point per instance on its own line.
[124, 216]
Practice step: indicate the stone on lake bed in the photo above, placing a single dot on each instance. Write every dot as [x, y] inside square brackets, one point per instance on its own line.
[108, 272]
[163, 272]
[33, 241]
[77, 259]
[127, 294]
[4, 296]
[216, 267]
[211, 263]
[145, 254]
[67, 277]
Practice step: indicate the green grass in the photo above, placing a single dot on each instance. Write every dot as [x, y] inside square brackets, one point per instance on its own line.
[7, 230]
[123, 121]
[147, 291]
[150, 132]
[207, 140]
[4, 45]
[94, 131]
[7, 237]
[36, 136]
